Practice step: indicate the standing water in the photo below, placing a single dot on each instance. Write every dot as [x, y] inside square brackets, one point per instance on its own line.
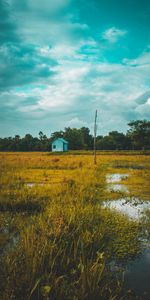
[137, 270]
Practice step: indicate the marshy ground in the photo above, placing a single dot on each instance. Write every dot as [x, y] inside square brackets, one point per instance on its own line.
[71, 230]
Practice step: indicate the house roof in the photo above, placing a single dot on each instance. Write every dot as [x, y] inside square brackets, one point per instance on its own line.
[60, 139]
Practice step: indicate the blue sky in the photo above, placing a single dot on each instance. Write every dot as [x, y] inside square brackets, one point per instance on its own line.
[62, 59]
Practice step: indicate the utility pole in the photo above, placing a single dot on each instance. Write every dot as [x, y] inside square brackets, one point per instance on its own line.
[95, 131]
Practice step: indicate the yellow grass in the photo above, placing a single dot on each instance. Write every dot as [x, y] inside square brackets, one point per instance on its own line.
[55, 231]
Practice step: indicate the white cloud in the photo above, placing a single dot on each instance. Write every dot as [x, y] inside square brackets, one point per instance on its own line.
[67, 50]
[148, 101]
[81, 87]
[62, 93]
[45, 22]
[76, 123]
[113, 34]
[142, 59]
[143, 110]
[74, 77]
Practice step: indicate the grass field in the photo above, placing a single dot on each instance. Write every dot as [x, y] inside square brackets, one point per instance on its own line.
[58, 239]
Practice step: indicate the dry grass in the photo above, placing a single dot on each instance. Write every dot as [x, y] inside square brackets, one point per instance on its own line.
[56, 237]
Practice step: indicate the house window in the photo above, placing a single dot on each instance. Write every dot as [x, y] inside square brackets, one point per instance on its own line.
[54, 146]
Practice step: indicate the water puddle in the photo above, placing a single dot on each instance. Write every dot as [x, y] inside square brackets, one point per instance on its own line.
[112, 178]
[131, 207]
[136, 271]
[118, 188]
[114, 185]
[137, 275]
[10, 242]
[31, 184]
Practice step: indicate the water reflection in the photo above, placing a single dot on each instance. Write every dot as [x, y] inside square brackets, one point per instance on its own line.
[137, 271]
[31, 184]
[117, 188]
[114, 185]
[131, 207]
[111, 178]
[137, 275]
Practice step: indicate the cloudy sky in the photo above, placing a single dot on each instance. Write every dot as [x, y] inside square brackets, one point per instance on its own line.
[62, 59]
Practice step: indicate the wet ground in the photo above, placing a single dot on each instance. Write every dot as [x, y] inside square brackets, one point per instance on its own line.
[137, 275]
[137, 270]
[131, 207]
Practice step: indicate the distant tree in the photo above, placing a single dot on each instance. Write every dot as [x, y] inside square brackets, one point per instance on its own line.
[57, 134]
[113, 141]
[120, 140]
[137, 137]
[98, 142]
[86, 138]
[78, 138]
[73, 136]
[139, 133]
[28, 139]
[41, 135]
[17, 143]
[44, 142]
[106, 143]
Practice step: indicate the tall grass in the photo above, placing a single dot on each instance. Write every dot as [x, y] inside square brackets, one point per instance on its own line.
[65, 247]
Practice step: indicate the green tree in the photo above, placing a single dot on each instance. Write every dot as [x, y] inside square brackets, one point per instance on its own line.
[139, 133]
[57, 134]
[86, 138]
[120, 140]
[73, 136]
[113, 141]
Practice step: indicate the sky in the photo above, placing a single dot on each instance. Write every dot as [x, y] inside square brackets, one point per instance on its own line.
[60, 60]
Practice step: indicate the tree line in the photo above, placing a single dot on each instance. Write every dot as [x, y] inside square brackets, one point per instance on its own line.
[137, 137]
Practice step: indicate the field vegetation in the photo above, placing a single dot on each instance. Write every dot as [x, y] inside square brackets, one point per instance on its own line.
[57, 239]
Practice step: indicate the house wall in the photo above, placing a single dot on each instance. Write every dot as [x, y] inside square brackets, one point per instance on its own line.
[65, 147]
[58, 146]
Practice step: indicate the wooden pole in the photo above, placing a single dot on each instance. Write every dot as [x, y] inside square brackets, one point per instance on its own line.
[95, 131]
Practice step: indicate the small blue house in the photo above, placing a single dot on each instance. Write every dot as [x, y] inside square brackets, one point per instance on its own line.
[59, 145]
